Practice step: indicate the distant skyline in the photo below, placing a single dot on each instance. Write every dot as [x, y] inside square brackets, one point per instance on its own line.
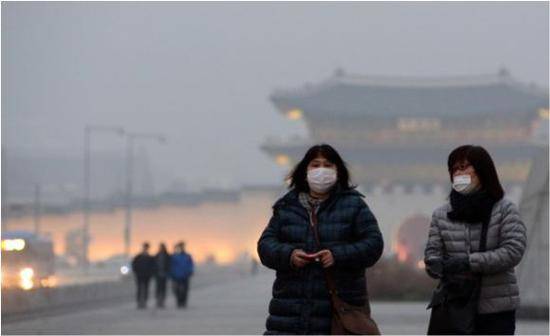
[202, 73]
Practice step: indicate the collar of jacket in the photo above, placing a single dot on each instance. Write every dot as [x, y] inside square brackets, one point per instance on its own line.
[292, 199]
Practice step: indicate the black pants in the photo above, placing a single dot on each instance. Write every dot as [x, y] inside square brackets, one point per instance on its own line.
[181, 288]
[502, 323]
[142, 285]
[160, 290]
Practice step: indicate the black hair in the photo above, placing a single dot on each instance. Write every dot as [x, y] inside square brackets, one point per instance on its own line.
[483, 164]
[298, 176]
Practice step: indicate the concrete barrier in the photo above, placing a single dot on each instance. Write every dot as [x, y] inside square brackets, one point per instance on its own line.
[18, 304]
[16, 301]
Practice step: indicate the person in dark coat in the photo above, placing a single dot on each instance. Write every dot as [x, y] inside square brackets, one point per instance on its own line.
[350, 242]
[143, 267]
[162, 262]
[181, 270]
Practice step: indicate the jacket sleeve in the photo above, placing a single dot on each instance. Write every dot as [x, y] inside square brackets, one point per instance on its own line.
[191, 266]
[433, 253]
[168, 263]
[274, 253]
[368, 246]
[153, 267]
[135, 264]
[173, 266]
[508, 254]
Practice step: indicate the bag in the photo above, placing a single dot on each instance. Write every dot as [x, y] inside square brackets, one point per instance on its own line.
[454, 302]
[454, 308]
[351, 320]
[347, 319]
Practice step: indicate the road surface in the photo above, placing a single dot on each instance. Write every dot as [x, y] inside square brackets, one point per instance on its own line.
[235, 307]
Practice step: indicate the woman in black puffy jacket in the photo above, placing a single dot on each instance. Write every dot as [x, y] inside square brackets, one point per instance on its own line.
[350, 242]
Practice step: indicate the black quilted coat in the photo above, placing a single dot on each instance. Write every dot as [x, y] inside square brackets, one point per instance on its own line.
[301, 303]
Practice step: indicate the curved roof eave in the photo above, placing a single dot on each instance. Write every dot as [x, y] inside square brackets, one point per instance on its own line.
[413, 89]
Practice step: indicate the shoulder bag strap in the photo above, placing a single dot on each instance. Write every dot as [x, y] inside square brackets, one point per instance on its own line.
[483, 238]
[329, 277]
[483, 245]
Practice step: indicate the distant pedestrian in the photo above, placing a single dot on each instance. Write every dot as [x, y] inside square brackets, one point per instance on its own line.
[254, 267]
[143, 267]
[474, 243]
[181, 270]
[162, 262]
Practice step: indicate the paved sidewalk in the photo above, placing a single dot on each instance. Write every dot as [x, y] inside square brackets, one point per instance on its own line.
[236, 307]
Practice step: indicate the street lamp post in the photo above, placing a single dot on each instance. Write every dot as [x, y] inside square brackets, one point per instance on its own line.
[37, 209]
[86, 199]
[130, 138]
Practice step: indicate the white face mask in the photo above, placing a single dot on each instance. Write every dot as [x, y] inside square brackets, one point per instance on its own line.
[463, 184]
[321, 180]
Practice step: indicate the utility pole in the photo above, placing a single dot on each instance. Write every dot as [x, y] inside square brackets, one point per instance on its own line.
[129, 175]
[5, 205]
[86, 205]
[88, 130]
[130, 138]
[37, 208]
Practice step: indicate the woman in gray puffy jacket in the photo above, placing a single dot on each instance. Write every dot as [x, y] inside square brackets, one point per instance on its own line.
[453, 247]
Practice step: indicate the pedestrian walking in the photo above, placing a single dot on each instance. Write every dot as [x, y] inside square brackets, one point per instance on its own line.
[162, 262]
[143, 266]
[321, 229]
[475, 241]
[254, 267]
[181, 270]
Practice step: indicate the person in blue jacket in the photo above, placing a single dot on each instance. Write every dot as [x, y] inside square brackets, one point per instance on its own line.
[181, 270]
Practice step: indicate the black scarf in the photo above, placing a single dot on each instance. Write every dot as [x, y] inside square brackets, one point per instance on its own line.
[471, 208]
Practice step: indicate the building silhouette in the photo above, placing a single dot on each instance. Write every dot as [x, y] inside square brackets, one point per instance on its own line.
[399, 130]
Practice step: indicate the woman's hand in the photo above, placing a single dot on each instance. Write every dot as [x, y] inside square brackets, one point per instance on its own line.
[454, 265]
[434, 267]
[299, 258]
[325, 257]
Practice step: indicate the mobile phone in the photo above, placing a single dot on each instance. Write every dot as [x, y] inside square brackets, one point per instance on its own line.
[311, 257]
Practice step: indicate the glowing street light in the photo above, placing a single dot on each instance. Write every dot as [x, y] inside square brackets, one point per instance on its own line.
[13, 244]
[295, 114]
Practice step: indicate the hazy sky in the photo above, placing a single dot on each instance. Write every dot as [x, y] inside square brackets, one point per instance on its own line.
[201, 73]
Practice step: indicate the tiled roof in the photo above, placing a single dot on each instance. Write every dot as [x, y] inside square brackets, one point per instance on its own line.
[352, 95]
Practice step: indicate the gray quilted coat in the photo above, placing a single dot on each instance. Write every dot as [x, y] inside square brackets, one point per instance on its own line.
[506, 241]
